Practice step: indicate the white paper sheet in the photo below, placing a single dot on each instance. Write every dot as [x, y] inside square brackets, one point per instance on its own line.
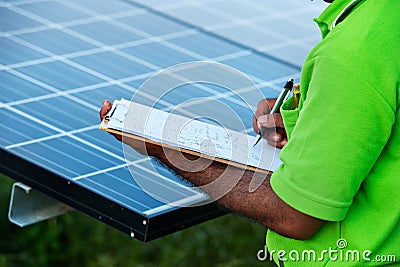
[183, 132]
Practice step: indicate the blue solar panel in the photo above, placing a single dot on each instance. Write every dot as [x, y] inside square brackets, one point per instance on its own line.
[60, 59]
[55, 41]
[18, 21]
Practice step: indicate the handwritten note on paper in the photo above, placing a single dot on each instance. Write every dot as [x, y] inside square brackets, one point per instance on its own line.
[179, 131]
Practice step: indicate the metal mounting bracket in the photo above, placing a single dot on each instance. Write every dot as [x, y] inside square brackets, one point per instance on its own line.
[29, 206]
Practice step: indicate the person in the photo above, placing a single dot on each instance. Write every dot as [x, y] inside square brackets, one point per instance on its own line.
[335, 200]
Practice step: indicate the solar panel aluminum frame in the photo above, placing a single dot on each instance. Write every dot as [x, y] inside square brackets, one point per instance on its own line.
[80, 198]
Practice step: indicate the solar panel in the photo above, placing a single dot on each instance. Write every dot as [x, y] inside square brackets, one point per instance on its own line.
[60, 59]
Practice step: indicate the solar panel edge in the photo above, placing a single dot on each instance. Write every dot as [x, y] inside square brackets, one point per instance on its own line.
[74, 195]
[82, 199]
[182, 218]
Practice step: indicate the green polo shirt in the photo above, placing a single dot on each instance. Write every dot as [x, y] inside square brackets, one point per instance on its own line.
[342, 161]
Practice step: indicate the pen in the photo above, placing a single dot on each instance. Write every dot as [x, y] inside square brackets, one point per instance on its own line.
[282, 96]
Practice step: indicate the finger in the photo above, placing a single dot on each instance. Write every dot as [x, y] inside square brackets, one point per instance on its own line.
[255, 124]
[282, 132]
[262, 109]
[264, 106]
[105, 109]
[273, 136]
[276, 139]
[280, 144]
[271, 120]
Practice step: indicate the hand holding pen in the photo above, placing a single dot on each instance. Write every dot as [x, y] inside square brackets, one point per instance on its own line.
[267, 122]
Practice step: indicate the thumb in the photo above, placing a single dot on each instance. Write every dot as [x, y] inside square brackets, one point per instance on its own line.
[107, 105]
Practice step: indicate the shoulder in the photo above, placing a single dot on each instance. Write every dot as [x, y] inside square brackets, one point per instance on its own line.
[370, 30]
[366, 43]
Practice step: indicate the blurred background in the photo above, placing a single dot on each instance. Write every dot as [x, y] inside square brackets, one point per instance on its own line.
[74, 239]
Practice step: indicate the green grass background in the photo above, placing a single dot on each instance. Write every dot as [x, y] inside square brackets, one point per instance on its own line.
[75, 239]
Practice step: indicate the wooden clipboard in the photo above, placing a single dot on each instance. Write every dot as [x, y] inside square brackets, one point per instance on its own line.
[110, 128]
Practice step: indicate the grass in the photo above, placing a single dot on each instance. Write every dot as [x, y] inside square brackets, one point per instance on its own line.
[75, 239]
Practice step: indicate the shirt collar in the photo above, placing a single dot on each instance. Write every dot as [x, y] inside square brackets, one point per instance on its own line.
[331, 15]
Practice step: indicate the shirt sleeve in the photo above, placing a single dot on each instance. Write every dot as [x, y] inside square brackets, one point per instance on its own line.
[341, 129]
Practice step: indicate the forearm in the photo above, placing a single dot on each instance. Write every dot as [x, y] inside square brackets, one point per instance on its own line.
[261, 204]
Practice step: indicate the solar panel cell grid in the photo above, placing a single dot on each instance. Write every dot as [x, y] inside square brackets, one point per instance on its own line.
[10, 21]
[18, 133]
[60, 59]
[55, 41]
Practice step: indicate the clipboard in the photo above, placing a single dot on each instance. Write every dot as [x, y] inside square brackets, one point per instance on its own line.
[198, 138]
